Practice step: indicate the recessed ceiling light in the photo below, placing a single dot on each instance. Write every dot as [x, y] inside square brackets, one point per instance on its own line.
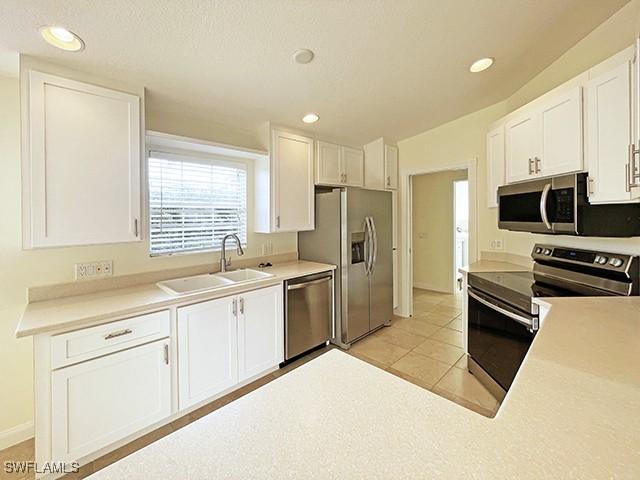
[303, 56]
[481, 65]
[61, 38]
[310, 118]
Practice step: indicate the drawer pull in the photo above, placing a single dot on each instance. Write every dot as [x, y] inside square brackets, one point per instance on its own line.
[119, 333]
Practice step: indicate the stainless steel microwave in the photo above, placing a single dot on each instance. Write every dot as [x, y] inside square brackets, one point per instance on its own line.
[560, 205]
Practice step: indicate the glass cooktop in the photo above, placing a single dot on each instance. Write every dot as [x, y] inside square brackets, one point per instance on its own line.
[523, 283]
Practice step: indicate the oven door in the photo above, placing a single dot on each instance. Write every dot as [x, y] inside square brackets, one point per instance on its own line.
[499, 337]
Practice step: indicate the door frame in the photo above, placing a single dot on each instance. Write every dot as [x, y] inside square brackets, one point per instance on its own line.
[455, 231]
[406, 228]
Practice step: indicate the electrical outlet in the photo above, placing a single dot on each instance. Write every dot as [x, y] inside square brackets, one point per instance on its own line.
[497, 244]
[93, 270]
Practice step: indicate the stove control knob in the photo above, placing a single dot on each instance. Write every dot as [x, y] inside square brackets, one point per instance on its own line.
[616, 262]
[547, 251]
[601, 260]
[538, 250]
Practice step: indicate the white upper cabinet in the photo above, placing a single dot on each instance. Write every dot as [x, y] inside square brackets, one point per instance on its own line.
[495, 164]
[260, 331]
[391, 167]
[339, 165]
[380, 166]
[545, 139]
[522, 143]
[609, 135]
[81, 164]
[284, 197]
[561, 129]
[352, 166]
[328, 164]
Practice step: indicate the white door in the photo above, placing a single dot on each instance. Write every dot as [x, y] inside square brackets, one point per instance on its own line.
[328, 170]
[100, 401]
[81, 177]
[391, 167]
[207, 350]
[609, 135]
[293, 182]
[260, 331]
[495, 164]
[522, 141]
[561, 128]
[353, 166]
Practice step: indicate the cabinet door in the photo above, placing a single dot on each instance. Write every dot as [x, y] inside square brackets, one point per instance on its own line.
[561, 128]
[374, 171]
[495, 164]
[207, 350]
[328, 169]
[391, 167]
[609, 135]
[353, 166]
[260, 331]
[82, 171]
[98, 402]
[293, 182]
[522, 140]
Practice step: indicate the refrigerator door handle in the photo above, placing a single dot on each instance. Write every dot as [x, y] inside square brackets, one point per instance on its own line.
[368, 246]
[375, 244]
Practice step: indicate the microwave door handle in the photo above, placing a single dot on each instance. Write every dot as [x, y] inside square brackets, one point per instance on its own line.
[531, 324]
[543, 205]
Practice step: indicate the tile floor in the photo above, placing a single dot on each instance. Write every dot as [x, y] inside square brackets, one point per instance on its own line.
[425, 350]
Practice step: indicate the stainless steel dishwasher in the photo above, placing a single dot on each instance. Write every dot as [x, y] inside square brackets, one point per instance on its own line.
[308, 313]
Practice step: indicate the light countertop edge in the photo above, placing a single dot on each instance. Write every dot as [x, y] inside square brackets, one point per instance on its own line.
[92, 309]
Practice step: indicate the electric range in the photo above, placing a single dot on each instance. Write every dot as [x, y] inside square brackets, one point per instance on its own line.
[503, 318]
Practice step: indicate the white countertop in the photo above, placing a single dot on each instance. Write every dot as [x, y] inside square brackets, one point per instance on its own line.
[101, 307]
[573, 411]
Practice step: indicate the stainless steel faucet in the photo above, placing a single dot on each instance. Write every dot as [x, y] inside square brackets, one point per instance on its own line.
[224, 263]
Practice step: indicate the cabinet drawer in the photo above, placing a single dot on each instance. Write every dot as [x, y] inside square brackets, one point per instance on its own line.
[81, 345]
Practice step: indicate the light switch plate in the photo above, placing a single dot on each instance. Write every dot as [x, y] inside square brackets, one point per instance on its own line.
[91, 270]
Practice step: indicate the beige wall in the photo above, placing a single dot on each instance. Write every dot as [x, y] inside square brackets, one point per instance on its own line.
[433, 216]
[464, 138]
[20, 269]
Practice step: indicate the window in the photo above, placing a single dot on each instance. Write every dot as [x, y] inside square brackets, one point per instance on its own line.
[194, 202]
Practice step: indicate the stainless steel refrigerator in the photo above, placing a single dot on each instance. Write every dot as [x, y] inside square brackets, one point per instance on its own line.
[354, 232]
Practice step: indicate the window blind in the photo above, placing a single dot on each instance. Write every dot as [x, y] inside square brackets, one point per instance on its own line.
[194, 203]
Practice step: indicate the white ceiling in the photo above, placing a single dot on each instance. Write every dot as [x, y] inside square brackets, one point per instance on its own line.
[382, 67]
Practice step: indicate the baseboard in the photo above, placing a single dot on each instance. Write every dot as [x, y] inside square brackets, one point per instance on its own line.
[426, 286]
[15, 435]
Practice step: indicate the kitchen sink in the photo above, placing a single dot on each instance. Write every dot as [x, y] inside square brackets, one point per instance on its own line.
[244, 275]
[202, 283]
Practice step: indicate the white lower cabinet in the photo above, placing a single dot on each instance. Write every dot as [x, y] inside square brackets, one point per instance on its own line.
[225, 341]
[207, 350]
[101, 401]
[260, 331]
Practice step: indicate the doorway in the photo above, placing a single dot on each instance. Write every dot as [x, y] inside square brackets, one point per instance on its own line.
[460, 228]
[440, 229]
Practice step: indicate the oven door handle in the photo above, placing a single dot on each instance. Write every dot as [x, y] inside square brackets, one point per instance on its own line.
[543, 205]
[532, 324]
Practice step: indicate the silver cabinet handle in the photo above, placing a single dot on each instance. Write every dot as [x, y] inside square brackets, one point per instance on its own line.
[242, 305]
[531, 166]
[543, 205]
[234, 307]
[632, 174]
[590, 182]
[531, 323]
[135, 227]
[278, 221]
[166, 354]
[388, 181]
[119, 333]
[537, 163]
